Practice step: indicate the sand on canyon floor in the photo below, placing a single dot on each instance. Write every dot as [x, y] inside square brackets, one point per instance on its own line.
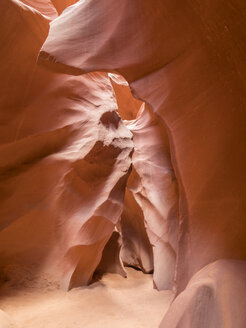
[113, 302]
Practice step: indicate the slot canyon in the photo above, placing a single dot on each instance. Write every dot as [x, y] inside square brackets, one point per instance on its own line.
[122, 164]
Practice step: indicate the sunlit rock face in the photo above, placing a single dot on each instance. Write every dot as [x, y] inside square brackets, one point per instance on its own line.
[49, 8]
[154, 188]
[149, 223]
[92, 179]
[45, 7]
[187, 61]
[65, 159]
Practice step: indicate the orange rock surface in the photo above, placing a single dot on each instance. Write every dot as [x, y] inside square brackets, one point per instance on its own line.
[92, 178]
[214, 297]
[64, 165]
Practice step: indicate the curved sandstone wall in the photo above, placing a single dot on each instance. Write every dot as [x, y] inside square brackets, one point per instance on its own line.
[163, 190]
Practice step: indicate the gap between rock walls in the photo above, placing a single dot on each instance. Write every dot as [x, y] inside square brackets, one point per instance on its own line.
[122, 145]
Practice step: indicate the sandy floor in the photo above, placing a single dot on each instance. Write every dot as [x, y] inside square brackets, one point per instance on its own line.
[114, 302]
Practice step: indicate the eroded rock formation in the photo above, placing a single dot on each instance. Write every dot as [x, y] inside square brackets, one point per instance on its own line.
[150, 215]
[154, 188]
[65, 159]
[68, 159]
[186, 61]
[198, 74]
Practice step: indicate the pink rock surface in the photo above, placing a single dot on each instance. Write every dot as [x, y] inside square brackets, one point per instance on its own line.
[151, 202]
[64, 166]
[155, 190]
[188, 62]
[214, 298]
[45, 7]
[69, 182]
[67, 159]
[136, 248]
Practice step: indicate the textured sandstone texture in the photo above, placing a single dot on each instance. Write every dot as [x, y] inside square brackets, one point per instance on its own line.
[214, 298]
[84, 192]
[64, 165]
[187, 61]
[136, 248]
[154, 189]
[45, 7]
[193, 76]
[150, 217]
[49, 8]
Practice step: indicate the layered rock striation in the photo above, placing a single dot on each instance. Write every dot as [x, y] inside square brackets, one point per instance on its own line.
[187, 61]
[65, 159]
[68, 159]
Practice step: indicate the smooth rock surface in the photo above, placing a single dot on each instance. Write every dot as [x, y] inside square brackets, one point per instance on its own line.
[214, 298]
[23, 31]
[150, 216]
[5, 321]
[170, 179]
[65, 159]
[154, 188]
[187, 61]
[45, 7]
